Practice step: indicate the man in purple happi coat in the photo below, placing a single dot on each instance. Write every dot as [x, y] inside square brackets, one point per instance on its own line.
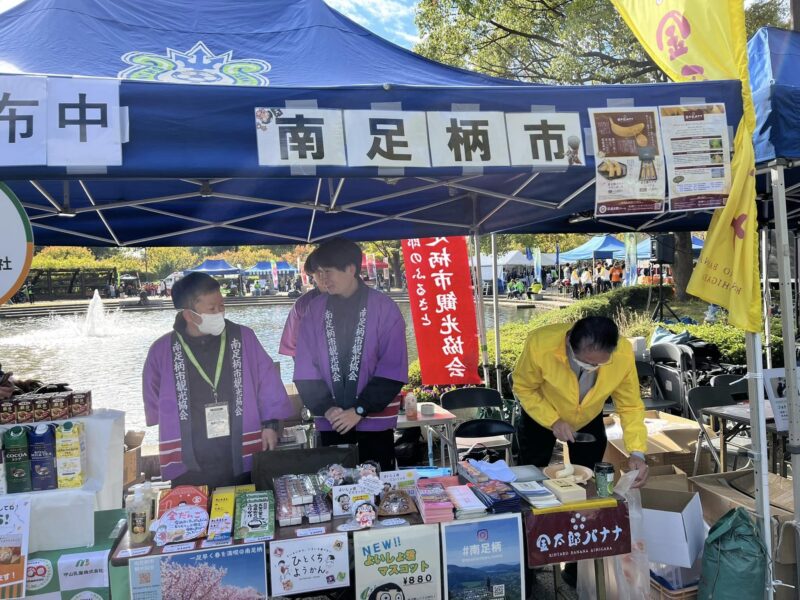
[288, 343]
[351, 360]
[213, 391]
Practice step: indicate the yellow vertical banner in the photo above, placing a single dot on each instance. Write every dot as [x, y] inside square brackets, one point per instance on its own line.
[693, 40]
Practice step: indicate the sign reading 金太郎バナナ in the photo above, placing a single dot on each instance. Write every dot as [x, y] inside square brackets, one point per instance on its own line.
[16, 244]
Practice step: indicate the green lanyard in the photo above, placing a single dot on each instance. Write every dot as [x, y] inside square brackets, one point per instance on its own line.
[197, 366]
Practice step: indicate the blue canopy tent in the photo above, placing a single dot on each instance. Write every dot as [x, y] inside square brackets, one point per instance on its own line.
[190, 172]
[214, 267]
[265, 268]
[644, 249]
[586, 251]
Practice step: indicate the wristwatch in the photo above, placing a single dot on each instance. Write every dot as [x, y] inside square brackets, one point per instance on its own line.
[361, 411]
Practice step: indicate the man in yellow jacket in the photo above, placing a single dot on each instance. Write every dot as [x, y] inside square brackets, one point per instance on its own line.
[563, 378]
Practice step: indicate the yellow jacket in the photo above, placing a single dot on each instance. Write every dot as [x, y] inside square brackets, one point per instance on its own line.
[548, 388]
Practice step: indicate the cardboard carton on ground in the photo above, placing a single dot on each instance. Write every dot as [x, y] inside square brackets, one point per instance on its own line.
[667, 477]
[721, 492]
[133, 457]
[673, 526]
[674, 444]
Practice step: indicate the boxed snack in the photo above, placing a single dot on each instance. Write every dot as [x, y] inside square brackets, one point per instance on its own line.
[223, 503]
[8, 411]
[183, 494]
[247, 487]
[41, 407]
[81, 404]
[24, 407]
[59, 405]
[566, 490]
[255, 516]
[70, 454]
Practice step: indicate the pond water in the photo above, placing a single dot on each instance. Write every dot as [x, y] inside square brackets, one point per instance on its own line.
[105, 351]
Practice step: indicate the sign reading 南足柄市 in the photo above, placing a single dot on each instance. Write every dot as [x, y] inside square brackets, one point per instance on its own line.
[16, 244]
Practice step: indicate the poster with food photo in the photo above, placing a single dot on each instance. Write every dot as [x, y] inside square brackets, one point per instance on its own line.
[629, 162]
[698, 154]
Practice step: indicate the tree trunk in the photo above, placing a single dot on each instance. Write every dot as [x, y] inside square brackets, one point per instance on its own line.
[684, 264]
[395, 263]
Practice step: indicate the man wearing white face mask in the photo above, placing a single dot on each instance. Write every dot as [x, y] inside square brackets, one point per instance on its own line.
[563, 378]
[213, 391]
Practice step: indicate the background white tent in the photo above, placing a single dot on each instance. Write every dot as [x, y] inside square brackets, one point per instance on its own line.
[508, 261]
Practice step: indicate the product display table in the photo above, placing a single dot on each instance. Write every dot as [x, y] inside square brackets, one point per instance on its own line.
[443, 424]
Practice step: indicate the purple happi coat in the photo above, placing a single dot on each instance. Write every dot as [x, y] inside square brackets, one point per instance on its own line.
[384, 354]
[264, 398]
[288, 344]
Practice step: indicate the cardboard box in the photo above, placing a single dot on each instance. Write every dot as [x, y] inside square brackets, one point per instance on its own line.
[673, 526]
[133, 457]
[667, 477]
[674, 443]
[721, 492]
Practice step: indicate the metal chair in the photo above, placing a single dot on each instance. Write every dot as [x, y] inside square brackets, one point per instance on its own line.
[736, 385]
[674, 369]
[490, 433]
[706, 397]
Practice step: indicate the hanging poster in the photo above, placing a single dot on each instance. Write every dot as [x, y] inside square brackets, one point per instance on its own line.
[232, 572]
[775, 384]
[16, 244]
[629, 163]
[15, 513]
[372, 271]
[443, 309]
[309, 564]
[698, 154]
[398, 563]
[275, 274]
[483, 559]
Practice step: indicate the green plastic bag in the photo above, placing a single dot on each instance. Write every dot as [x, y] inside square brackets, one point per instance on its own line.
[734, 560]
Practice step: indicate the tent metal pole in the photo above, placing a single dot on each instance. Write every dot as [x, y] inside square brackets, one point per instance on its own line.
[766, 295]
[789, 343]
[479, 308]
[755, 391]
[496, 315]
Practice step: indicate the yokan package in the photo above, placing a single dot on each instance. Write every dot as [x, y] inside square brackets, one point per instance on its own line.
[255, 516]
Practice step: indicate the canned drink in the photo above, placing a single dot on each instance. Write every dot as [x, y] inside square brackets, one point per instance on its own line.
[604, 479]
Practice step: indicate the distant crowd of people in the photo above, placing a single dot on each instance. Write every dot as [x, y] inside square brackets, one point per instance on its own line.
[578, 279]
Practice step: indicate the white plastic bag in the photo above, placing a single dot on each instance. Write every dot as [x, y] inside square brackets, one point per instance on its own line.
[627, 576]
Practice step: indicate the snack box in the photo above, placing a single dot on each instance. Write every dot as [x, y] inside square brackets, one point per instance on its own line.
[59, 405]
[255, 516]
[8, 411]
[566, 490]
[24, 409]
[223, 504]
[41, 407]
[81, 404]
[183, 494]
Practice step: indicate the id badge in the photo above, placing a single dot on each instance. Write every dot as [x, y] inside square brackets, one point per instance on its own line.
[218, 423]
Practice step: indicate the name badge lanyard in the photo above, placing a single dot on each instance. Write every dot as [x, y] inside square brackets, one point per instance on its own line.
[215, 384]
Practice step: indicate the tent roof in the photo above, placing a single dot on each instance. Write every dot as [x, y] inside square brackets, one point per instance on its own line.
[190, 174]
[598, 243]
[214, 267]
[265, 266]
[287, 43]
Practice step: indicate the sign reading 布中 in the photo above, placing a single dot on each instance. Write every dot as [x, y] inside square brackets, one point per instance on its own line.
[16, 244]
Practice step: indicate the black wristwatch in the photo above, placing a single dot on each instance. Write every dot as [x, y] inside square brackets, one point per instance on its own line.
[361, 411]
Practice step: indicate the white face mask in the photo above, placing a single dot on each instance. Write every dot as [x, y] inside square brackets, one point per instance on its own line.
[587, 366]
[211, 324]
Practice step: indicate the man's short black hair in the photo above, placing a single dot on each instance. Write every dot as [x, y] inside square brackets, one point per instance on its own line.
[311, 266]
[186, 291]
[339, 253]
[594, 333]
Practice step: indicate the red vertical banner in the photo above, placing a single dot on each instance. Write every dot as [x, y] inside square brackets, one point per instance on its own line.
[443, 309]
[372, 272]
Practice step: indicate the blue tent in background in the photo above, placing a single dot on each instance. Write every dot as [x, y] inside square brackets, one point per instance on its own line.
[265, 268]
[586, 251]
[190, 173]
[644, 248]
[214, 267]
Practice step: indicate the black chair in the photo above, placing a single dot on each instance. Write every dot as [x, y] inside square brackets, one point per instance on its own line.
[674, 369]
[488, 432]
[706, 397]
[736, 385]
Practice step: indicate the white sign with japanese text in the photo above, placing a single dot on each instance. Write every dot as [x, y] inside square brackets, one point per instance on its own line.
[23, 121]
[15, 517]
[83, 123]
[300, 137]
[386, 138]
[16, 244]
[545, 139]
[309, 564]
[468, 139]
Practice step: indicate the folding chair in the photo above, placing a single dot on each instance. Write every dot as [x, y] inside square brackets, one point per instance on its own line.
[706, 397]
[675, 374]
[490, 433]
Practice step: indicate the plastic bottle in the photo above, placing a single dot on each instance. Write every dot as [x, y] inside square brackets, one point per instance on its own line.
[139, 517]
[411, 406]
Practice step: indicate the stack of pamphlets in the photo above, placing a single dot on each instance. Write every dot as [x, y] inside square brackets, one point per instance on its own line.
[465, 502]
[470, 473]
[535, 494]
[498, 497]
[434, 503]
